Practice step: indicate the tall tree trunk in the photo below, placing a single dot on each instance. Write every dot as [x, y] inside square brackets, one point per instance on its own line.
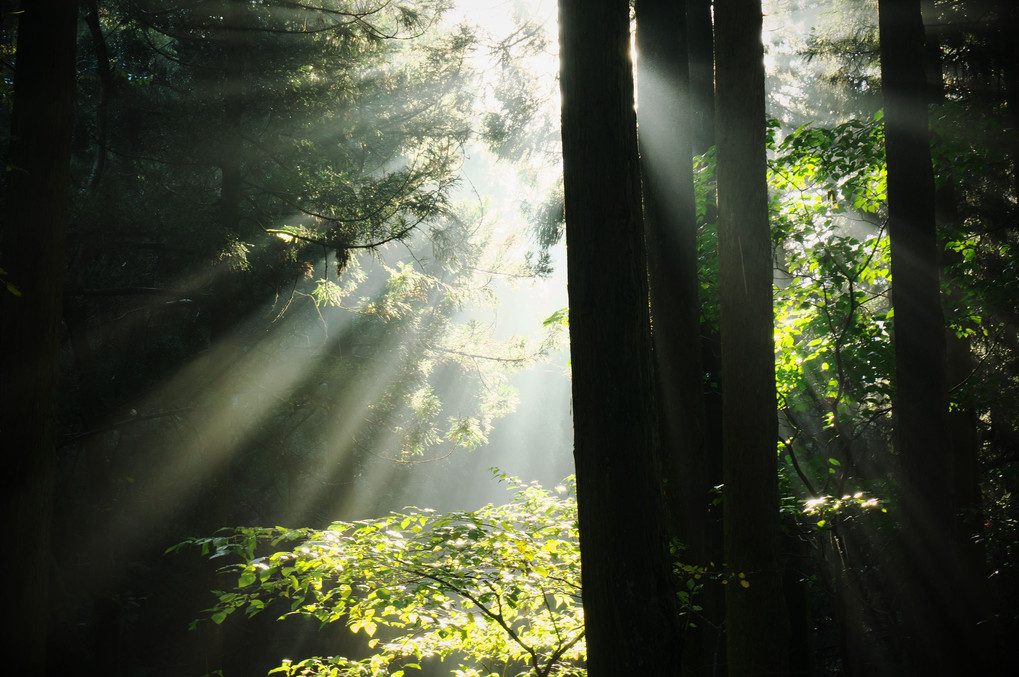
[701, 46]
[226, 652]
[930, 578]
[234, 93]
[1007, 25]
[665, 122]
[629, 604]
[755, 610]
[1008, 52]
[963, 464]
[33, 260]
[94, 550]
[106, 84]
[702, 74]
[962, 433]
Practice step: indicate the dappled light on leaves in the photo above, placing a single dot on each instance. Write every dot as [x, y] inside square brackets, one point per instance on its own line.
[497, 588]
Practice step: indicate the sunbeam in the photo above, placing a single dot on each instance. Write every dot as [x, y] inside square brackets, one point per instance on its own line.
[283, 313]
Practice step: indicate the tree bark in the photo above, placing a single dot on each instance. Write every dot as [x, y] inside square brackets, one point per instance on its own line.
[33, 257]
[106, 86]
[929, 575]
[755, 610]
[665, 124]
[629, 604]
[226, 289]
[702, 73]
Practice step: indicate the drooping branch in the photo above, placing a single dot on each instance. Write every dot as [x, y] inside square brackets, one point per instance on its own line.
[134, 291]
[394, 203]
[116, 425]
[329, 20]
[339, 244]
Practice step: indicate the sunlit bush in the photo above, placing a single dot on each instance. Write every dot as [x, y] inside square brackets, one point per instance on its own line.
[496, 590]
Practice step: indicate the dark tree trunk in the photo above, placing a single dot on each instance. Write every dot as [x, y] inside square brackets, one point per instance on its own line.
[701, 54]
[38, 192]
[964, 460]
[961, 420]
[628, 594]
[234, 91]
[755, 610]
[94, 549]
[106, 84]
[665, 130]
[702, 74]
[1008, 52]
[700, 32]
[229, 303]
[930, 573]
[1004, 631]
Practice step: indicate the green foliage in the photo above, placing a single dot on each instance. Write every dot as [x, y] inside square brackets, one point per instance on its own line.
[827, 510]
[292, 169]
[497, 589]
[559, 318]
[521, 118]
[981, 267]
[841, 55]
[548, 224]
[833, 313]
[707, 235]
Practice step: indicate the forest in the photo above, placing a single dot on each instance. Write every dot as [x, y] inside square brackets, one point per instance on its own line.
[490, 338]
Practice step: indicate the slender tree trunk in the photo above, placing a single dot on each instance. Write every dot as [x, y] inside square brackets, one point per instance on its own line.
[755, 609]
[234, 92]
[961, 421]
[1008, 52]
[105, 73]
[96, 552]
[702, 74]
[930, 577]
[702, 103]
[665, 129]
[225, 651]
[1003, 634]
[629, 604]
[964, 460]
[32, 257]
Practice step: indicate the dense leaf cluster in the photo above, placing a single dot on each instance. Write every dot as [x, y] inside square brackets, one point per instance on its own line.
[496, 590]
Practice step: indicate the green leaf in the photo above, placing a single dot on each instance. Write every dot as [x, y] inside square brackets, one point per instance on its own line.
[560, 317]
[416, 589]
